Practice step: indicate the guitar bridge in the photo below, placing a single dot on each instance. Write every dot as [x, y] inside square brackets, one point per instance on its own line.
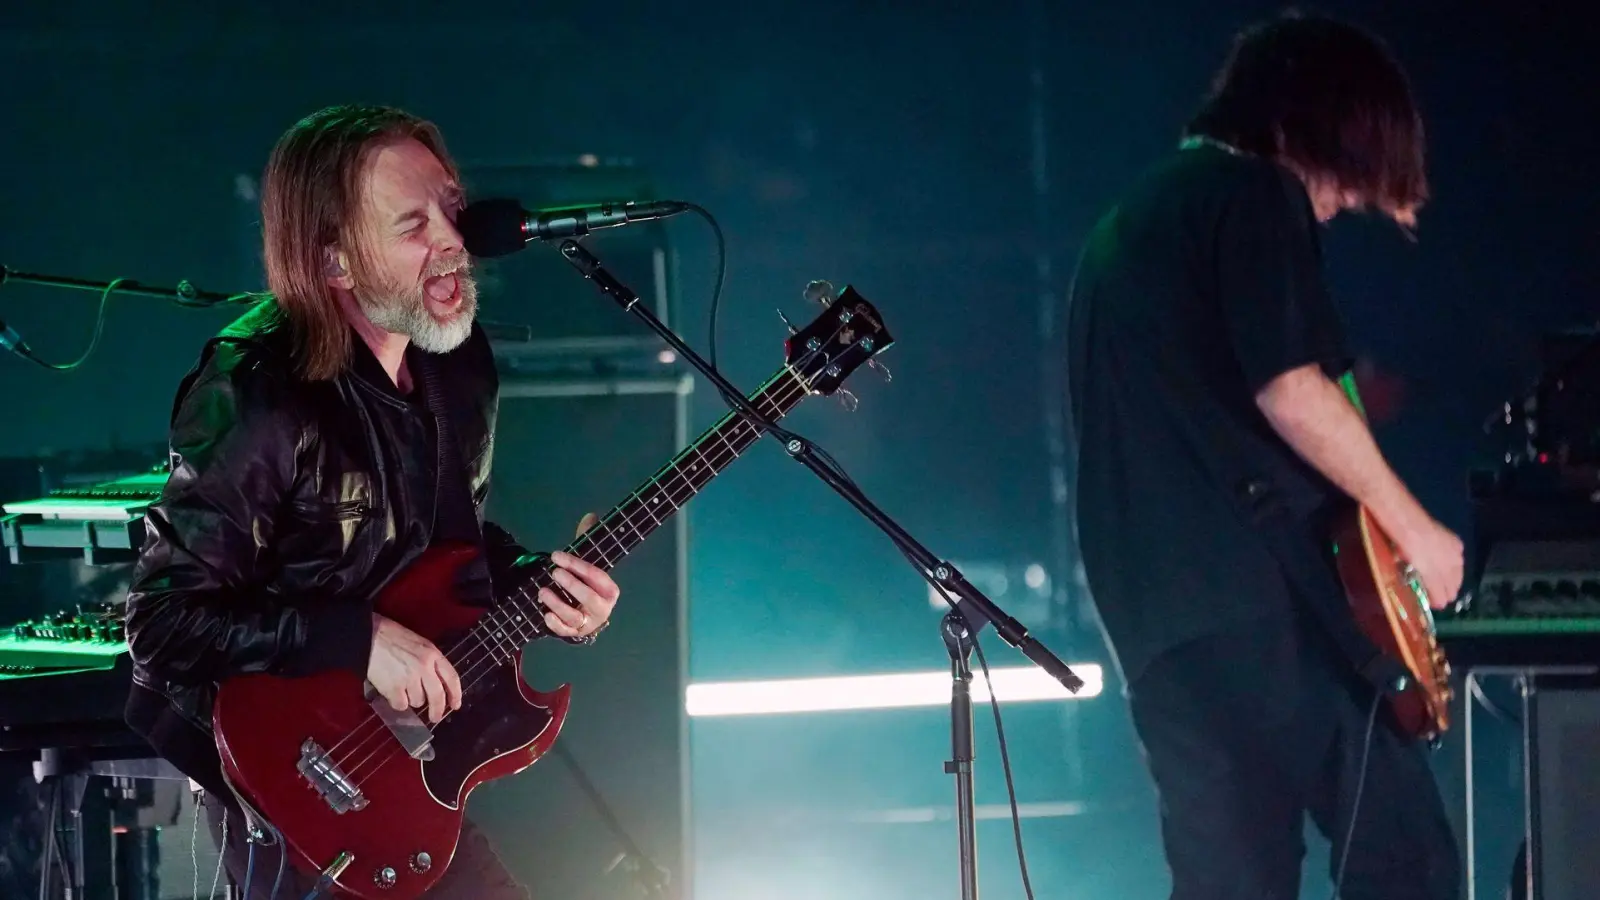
[329, 780]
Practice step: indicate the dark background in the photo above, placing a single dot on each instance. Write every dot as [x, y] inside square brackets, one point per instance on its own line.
[893, 146]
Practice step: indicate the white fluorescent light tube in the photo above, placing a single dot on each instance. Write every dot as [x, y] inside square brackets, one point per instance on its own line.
[907, 689]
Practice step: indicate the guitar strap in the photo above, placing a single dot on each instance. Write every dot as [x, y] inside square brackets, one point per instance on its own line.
[1347, 381]
[1322, 593]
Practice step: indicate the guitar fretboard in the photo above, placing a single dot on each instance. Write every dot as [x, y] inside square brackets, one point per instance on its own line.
[666, 492]
[518, 617]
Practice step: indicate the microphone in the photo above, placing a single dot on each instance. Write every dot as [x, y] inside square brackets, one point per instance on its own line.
[498, 226]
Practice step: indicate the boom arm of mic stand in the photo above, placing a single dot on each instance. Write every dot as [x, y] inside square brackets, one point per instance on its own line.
[975, 607]
[185, 294]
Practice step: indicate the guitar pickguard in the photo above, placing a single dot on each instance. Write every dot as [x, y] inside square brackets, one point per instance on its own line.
[494, 720]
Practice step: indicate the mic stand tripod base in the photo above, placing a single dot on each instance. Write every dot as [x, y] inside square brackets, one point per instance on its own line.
[958, 640]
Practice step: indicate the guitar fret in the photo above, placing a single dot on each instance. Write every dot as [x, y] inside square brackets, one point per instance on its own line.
[478, 644]
[500, 643]
[517, 621]
[529, 605]
[655, 519]
[627, 520]
[604, 559]
[724, 438]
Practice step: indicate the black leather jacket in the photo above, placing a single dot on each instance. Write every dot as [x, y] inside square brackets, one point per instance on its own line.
[290, 505]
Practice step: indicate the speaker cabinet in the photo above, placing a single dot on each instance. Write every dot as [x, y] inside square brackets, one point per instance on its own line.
[563, 449]
[1566, 773]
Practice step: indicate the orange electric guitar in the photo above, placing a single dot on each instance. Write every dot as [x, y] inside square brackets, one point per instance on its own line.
[1391, 607]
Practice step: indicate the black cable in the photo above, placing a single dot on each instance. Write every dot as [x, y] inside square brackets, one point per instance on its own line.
[94, 341]
[716, 302]
[1005, 765]
[27, 353]
[1355, 807]
[772, 428]
[249, 865]
[324, 884]
[1000, 731]
[722, 275]
[283, 856]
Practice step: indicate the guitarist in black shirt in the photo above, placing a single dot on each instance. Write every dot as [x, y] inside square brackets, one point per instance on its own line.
[1204, 355]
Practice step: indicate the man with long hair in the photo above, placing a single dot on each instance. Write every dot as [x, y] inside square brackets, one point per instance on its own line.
[320, 445]
[1214, 441]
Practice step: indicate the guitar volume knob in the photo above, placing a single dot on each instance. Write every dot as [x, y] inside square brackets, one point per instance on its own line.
[421, 862]
[385, 877]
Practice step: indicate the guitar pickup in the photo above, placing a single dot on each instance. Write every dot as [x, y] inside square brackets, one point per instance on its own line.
[407, 728]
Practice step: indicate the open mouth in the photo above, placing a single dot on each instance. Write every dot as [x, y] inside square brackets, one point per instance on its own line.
[443, 293]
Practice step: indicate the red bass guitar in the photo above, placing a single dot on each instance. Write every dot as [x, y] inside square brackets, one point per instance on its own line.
[372, 799]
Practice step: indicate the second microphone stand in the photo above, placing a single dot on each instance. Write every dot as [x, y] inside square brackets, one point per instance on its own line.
[960, 627]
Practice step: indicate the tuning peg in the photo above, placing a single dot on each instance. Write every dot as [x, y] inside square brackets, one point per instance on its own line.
[821, 292]
[786, 323]
[849, 400]
[887, 375]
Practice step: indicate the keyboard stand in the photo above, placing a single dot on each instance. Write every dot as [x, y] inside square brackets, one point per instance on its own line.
[107, 858]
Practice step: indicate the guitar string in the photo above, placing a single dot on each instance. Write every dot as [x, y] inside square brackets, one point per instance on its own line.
[537, 627]
[477, 634]
[483, 666]
[601, 530]
[475, 674]
[685, 477]
[475, 668]
[766, 395]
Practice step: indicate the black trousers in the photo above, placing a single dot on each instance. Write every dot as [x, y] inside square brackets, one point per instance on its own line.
[1247, 733]
[476, 872]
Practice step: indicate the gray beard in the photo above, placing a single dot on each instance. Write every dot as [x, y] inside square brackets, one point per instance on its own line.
[406, 313]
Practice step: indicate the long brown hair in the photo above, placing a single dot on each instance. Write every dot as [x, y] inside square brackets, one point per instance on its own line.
[1328, 97]
[311, 196]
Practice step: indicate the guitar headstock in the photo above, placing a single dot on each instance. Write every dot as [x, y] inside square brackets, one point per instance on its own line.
[848, 334]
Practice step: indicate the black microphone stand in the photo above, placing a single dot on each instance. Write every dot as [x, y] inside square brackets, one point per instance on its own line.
[959, 628]
[185, 294]
[958, 639]
[652, 880]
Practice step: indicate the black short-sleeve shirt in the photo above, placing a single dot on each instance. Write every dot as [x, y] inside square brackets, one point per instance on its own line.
[1200, 287]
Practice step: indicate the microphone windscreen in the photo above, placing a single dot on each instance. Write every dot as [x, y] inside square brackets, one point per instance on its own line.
[492, 227]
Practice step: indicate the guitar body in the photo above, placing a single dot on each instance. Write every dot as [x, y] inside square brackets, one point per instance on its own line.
[412, 807]
[1391, 608]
